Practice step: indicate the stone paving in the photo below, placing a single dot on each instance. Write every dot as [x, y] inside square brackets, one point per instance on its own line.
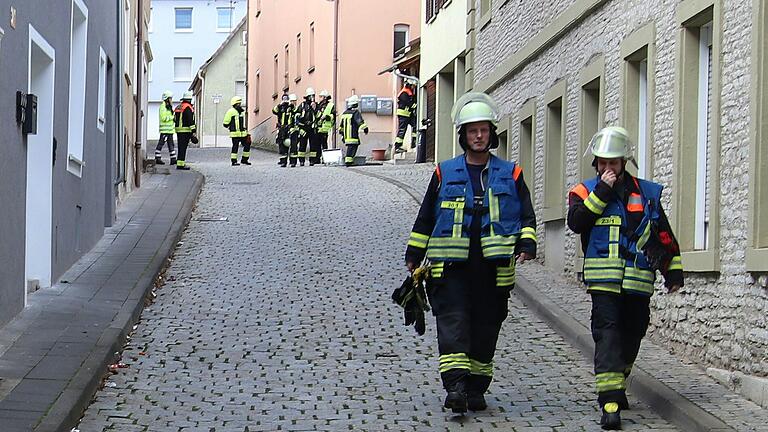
[279, 318]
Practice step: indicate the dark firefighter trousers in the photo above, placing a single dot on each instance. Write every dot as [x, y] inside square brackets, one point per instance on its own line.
[165, 139]
[282, 134]
[183, 138]
[304, 141]
[402, 125]
[236, 143]
[619, 323]
[293, 150]
[469, 309]
[316, 141]
[349, 155]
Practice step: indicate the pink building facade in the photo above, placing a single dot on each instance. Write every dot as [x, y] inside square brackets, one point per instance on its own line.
[291, 47]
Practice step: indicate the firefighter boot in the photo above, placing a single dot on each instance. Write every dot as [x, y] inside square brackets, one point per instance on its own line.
[173, 161]
[476, 401]
[611, 419]
[234, 162]
[456, 399]
[244, 161]
[159, 161]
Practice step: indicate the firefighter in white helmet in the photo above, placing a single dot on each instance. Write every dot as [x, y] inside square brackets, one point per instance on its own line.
[626, 238]
[305, 123]
[351, 123]
[284, 113]
[325, 120]
[234, 120]
[184, 122]
[475, 223]
[167, 130]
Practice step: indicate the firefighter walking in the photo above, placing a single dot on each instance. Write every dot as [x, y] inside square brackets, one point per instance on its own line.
[284, 113]
[475, 223]
[305, 124]
[234, 120]
[350, 124]
[184, 123]
[166, 129]
[625, 237]
[406, 115]
[325, 121]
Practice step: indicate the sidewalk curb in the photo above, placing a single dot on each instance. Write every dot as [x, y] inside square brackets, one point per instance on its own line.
[671, 405]
[65, 413]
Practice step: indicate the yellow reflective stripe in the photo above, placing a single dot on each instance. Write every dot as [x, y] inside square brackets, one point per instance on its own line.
[639, 274]
[613, 239]
[180, 162]
[440, 253]
[418, 240]
[346, 159]
[417, 244]
[351, 140]
[676, 263]
[246, 154]
[644, 237]
[635, 285]
[616, 263]
[610, 381]
[448, 242]
[480, 368]
[499, 240]
[528, 233]
[436, 270]
[454, 361]
[609, 220]
[493, 206]
[595, 204]
[403, 113]
[603, 274]
[452, 205]
[458, 221]
[604, 287]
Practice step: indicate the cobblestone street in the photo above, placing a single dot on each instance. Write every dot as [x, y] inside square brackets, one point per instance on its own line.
[279, 318]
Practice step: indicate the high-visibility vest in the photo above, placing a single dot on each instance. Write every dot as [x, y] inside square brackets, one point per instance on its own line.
[350, 124]
[284, 113]
[166, 119]
[405, 103]
[455, 208]
[234, 120]
[614, 261]
[327, 119]
[178, 118]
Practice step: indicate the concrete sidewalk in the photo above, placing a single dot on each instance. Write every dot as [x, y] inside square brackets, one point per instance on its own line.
[679, 391]
[53, 355]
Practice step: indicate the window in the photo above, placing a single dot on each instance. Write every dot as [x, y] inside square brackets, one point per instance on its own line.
[244, 38]
[223, 19]
[257, 92]
[637, 113]
[526, 146]
[311, 47]
[77, 72]
[484, 13]
[757, 249]
[401, 38]
[591, 119]
[697, 136]
[298, 57]
[275, 74]
[183, 19]
[102, 89]
[554, 153]
[240, 89]
[182, 68]
[432, 8]
[286, 72]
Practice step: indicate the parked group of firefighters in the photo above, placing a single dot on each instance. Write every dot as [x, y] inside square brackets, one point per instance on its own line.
[477, 221]
[181, 121]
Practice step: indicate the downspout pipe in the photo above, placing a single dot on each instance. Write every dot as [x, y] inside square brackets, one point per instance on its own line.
[120, 175]
[138, 81]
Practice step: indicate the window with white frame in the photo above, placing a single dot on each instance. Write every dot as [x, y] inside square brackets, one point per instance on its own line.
[400, 37]
[77, 72]
[224, 19]
[704, 139]
[183, 19]
[311, 46]
[102, 104]
[182, 68]
[240, 89]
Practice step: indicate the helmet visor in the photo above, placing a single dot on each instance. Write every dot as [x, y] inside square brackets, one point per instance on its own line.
[610, 143]
[475, 98]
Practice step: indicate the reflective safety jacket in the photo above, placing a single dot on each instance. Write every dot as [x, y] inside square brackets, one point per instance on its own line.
[620, 228]
[305, 118]
[234, 120]
[406, 102]
[350, 123]
[507, 221]
[326, 117]
[284, 114]
[166, 119]
[184, 118]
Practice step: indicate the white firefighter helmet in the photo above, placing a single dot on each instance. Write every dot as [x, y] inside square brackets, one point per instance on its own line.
[292, 97]
[167, 94]
[310, 92]
[353, 101]
[287, 142]
[324, 93]
[187, 95]
[474, 107]
[611, 142]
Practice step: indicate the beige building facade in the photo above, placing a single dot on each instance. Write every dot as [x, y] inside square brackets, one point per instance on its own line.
[295, 44]
[689, 80]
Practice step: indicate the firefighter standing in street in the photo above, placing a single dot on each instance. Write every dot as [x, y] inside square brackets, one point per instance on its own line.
[475, 223]
[166, 129]
[325, 121]
[234, 120]
[350, 124]
[184, 122]
[305, 123]
[625, 237]
[284, 114]
[294, 131]
[406, 115]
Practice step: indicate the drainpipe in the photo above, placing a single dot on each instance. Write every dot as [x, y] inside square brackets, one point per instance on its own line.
[336, 61]
[120, 175]
[137, 83]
